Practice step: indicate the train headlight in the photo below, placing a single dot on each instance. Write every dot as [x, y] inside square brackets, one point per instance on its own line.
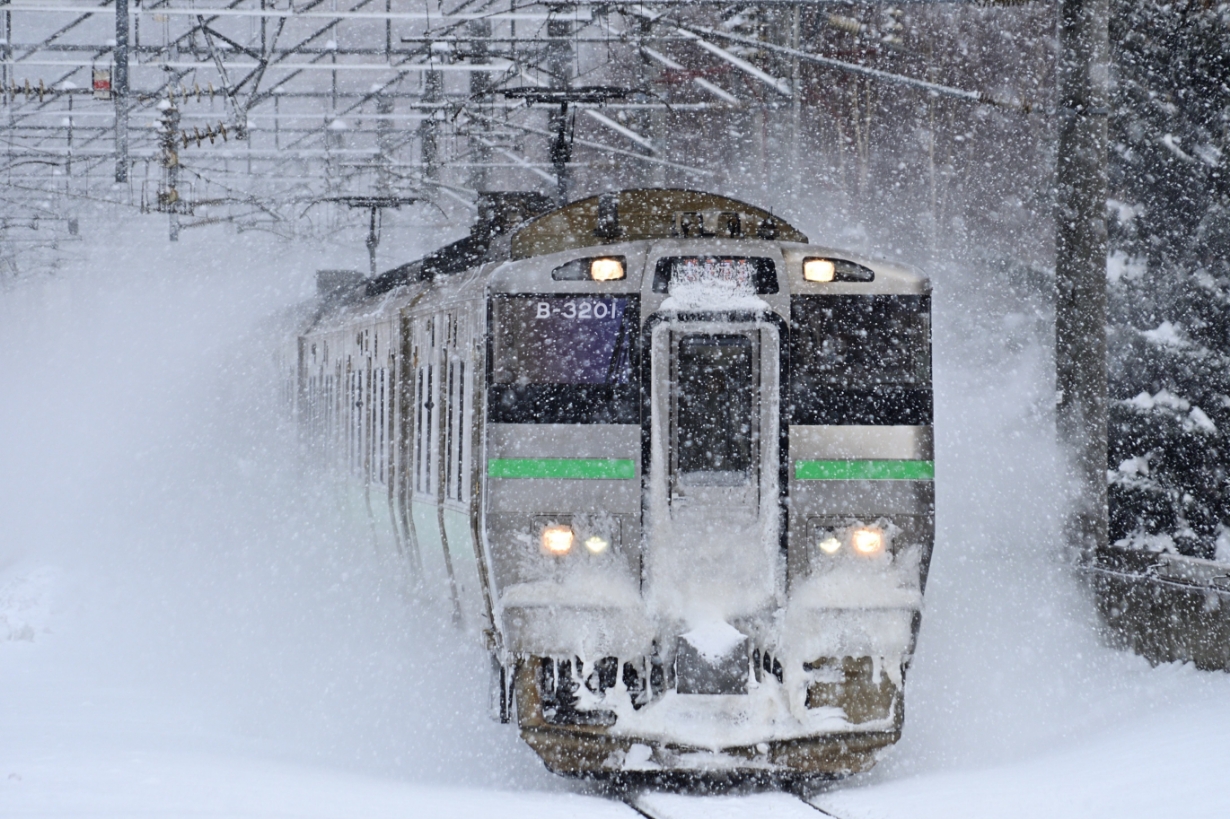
[597, 544]
[819, 270]
[836, 270]
[606, 270]
[836, 541]
[557, 540]
[867, 540]
[829, 545]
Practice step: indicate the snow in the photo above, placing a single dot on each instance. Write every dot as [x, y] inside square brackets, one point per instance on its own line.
[1172, 144]
[1209, 154]
[1135, 466]
[751, 806]
[25, 603]
[712, 295]
[713, 639]
[1163, 398]
[1162, 762]
[1125, 213]
[1149, 543]
[1222, 554]
[1165, 335]
[1120, 266]
[1195, 418]
[1201, 420]
[710, 722]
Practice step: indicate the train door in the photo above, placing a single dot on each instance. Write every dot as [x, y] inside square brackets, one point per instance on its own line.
[713, 492]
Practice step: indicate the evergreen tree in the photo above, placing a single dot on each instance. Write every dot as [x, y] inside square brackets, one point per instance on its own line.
[1169, 338]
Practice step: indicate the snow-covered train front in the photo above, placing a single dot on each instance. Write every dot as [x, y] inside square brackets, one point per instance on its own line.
[672, 461]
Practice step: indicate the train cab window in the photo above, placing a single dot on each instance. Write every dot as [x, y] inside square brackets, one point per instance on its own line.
[860, 360]
[564, 359]
[744, 275]
[715, 410]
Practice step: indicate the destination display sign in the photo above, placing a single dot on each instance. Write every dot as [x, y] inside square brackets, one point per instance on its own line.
[734, 275]
[737, 274]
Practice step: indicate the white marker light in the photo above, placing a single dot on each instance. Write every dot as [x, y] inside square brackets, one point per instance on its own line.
[596, 545]
[819, 270]
[829, 545]
[606, 270]
[867, 541]
[557, 540]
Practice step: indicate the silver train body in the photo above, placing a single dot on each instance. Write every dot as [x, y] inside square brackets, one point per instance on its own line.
[670, 462]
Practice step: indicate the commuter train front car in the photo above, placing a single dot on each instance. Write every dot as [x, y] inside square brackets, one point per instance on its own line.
[693, 476]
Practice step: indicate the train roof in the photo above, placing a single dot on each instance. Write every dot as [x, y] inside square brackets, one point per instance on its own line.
[634, 215]
[521, 226]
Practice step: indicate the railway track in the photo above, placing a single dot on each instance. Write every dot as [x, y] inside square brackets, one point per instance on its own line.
[664, 805]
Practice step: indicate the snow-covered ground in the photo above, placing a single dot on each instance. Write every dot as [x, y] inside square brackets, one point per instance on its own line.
[192, 623]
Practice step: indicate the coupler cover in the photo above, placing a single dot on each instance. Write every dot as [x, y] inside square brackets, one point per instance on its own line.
[712, 659]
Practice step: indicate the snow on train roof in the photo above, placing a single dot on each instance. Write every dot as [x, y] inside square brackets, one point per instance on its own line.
[648, 213]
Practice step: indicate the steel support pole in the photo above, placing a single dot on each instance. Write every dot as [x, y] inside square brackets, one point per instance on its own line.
[559, 66]
[385, 143]
[480, 92]
[793, 175]
[119, 89]
[429, 129]
[1080, 269]
[6, 77]
[168, 198]
[373, 239]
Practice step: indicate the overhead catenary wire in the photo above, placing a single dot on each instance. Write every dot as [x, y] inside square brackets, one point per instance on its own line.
[700, 82]
[778, 84]
[978, 97]
[601, 146]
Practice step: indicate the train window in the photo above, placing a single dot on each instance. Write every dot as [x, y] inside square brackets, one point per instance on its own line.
[424, 451]
[564, 359]
[745, 275]
[860, 359]
[455, 439]
[714, 414]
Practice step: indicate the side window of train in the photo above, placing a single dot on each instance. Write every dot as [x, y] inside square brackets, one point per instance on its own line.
[354, 417]
[425, 389]
[380, 378]
[456, 435]
[860, 359]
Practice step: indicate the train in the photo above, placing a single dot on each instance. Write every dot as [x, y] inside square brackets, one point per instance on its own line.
[667, 460]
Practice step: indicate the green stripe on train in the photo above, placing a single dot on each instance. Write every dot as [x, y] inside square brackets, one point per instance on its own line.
[864, 470]
[573, 468]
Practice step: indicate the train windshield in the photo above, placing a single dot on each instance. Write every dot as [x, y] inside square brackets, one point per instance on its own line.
[714, 413]
[563, 359]
[860, 359]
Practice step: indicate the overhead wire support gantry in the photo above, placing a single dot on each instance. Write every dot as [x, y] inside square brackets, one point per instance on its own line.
[400, 97]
